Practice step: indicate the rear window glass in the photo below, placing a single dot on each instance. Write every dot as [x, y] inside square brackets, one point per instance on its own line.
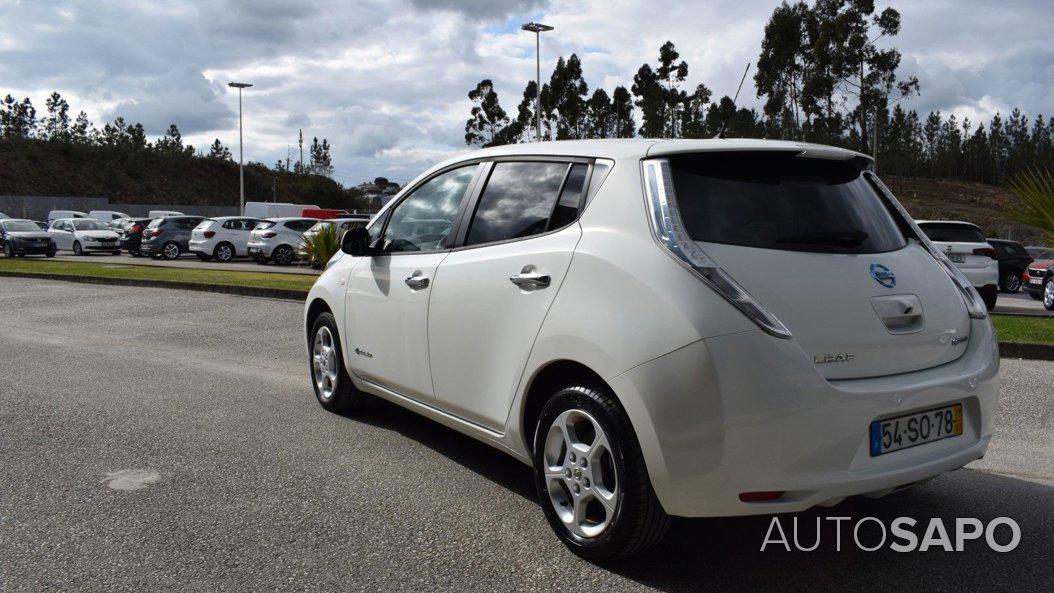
[780, 201]
[264, 224]
[952, 233]
[155, 223]
[517, 202]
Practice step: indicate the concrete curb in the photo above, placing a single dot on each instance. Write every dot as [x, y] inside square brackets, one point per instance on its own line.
[1006, 349]
[268, 293]
[1025, 350]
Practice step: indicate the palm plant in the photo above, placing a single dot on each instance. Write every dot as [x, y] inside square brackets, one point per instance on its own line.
[320, 248]
[1035, 193]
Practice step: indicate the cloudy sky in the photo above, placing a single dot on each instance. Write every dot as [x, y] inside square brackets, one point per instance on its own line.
[386, 82]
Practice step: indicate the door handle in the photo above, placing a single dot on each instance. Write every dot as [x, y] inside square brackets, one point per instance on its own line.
[417, 281]
[531, 280]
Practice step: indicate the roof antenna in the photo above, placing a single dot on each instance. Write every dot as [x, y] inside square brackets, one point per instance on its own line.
[724, 124]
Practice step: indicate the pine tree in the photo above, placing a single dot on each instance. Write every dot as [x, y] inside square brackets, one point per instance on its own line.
[672, 74]
[221, 152]
[622, 113]
[651, 100]
[599, 116]
[82, 131]
[321, 161]
[56, 125]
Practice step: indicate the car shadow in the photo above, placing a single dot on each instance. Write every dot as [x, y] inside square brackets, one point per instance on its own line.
[725, 553]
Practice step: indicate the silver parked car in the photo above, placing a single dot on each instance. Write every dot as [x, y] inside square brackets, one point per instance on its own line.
[343, 224]
[278, 239]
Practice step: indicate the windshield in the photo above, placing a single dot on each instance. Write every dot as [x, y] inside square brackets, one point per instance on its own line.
[952, 233]
[19, 225]
[776, 200]
[87, 224]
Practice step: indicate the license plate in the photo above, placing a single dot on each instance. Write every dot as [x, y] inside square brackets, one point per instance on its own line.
[957, 258]
[902, 432]
[1036, 281]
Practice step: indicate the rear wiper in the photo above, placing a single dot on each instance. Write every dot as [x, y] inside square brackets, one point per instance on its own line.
[846, 238]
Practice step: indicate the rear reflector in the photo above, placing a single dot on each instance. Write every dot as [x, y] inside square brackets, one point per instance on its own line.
[986, 251]
[269, 235]
[760, 496]
[210, 234]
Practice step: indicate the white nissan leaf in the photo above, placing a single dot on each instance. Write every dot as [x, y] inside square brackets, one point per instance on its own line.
[660, 328]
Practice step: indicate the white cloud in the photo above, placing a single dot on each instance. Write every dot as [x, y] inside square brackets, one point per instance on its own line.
[386, 82]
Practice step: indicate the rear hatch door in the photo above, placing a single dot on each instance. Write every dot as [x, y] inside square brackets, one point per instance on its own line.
[816, 244]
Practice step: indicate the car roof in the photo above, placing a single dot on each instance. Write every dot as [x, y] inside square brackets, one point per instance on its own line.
[289, 218]
[959, 222]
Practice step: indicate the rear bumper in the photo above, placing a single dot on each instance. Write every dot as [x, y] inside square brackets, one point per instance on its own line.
[255, 248]
[748, 413]
[201, 246]
[982, 277]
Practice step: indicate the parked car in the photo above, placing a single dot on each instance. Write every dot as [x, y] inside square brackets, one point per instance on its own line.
[168, 237]
[43, 225]
[223, 238]
[23, 237]
[3, 216]
[1037, 280]
[107, 217]
[131, 234]
[278, 239]
[83, 236]
[964, 244]
[1035, 250]
[344, 224]
[163, 213]
[57, 214]
[684, 327]
[1013, 262]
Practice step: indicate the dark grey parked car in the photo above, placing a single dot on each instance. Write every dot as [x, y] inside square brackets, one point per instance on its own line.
[168, 237]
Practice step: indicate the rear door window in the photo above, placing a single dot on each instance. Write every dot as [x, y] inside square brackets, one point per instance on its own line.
[776, 200]
[517, 202]
[952, 233]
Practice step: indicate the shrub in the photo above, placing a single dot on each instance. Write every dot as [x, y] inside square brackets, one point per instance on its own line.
[321, 248]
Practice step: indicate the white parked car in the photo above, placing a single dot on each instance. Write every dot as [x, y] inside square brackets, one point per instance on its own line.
[57, 214]
[83, 236]
[107, 217]
[223, 237]
[688, 327]
[966, 247]
[278, 239]
[342, 224]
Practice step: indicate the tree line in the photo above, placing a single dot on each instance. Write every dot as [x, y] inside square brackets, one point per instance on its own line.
[20, 119]
[825, 73]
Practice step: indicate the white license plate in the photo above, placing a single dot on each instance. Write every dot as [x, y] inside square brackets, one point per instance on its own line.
[957, 258]
[893, 434]
[1036, 281]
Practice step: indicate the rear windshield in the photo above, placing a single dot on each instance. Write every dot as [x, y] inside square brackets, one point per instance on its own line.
[204, 224]
[952, 233]
[264, 224]
[155, 223]
[780, 201]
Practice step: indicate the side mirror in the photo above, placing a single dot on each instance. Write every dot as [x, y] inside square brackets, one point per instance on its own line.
[356, 242]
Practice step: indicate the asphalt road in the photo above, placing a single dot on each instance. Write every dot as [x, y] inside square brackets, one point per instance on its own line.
[153, 439]
[1020, 303]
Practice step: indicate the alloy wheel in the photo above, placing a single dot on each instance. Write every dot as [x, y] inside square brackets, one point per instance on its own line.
[223, 253]
[580, 473]
[171, 251]
[9, 251]
[324, 363]
[1012, 283]
[1048, 294]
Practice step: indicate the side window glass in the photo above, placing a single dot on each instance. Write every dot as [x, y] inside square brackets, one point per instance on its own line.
[425, 219]
[571, 197]
[517, 201]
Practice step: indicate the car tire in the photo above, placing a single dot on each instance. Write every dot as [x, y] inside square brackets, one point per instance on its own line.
[77, 249]
[50, 254]
[203, 256]
[260, 259]
[1011, 283]
[283, 255]
[333, 387]
[224, 252]
[9, 250]
[1036, 296]
[1048, 294]
[632, 520]
[171, 250]
[115, 253]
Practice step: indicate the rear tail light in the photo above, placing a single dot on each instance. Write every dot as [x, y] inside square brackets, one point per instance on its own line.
[987, 251]
[270, 235]
[135, 229]
[669, 230]
[209, 234]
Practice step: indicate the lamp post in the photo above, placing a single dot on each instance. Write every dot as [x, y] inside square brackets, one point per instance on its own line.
[537, 29]
[241, 149]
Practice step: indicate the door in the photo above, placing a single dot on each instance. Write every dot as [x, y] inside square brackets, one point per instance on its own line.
[490, 297]
[386, 335]
[236, 232]
[62, 232]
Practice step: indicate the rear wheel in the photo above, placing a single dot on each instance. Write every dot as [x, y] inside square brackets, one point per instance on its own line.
[77, 249]
[283, 255]
[333, 387]
[171, 250]
[224, 252]
[1048, 294]
[1012, 282]
[591, 478]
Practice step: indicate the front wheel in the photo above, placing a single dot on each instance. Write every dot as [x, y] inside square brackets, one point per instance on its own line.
[9, 250]
[77, 249]
[171, 250]
[591, 478]
[333, 387]
[1012, 282]
[1048, 294]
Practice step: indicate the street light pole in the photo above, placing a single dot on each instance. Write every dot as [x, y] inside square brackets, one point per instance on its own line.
[537, 29]
[241, 147]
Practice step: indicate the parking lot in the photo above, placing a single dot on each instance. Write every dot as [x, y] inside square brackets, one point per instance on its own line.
[158, 439]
